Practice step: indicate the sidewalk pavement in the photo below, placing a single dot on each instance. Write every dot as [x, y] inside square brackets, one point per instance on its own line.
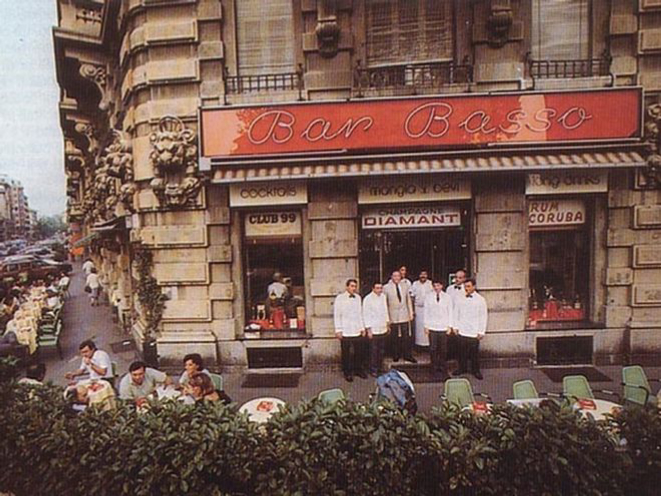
[82, 321]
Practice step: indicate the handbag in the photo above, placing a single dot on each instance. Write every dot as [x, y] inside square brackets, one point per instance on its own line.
[88, 289]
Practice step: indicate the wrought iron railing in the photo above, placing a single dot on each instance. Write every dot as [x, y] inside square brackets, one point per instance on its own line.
[286, 81]
[415, 76]
[570, 69]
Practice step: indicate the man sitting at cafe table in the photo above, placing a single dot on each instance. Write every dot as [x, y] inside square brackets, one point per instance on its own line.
[141, 381]
[94, 362]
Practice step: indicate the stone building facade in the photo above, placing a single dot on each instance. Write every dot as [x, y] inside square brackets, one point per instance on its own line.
[15, 213]
[182, 141]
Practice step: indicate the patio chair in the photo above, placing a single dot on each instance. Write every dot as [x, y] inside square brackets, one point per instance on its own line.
[460, 392]
[575, 387]
[217, 380]
[525, 390]
[637, 388]
[50, 338]
[331, 395]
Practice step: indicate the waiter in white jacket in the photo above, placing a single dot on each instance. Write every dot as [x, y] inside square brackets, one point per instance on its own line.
[470, 321]
[377, 324]
[455, 290]
[350, 330]
[438, 315]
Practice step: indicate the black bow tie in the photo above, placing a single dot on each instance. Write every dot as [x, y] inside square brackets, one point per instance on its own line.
[457, 286]
[352, 296]
[469, 296]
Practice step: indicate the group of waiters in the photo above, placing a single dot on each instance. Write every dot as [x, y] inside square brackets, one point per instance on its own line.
[450, 322]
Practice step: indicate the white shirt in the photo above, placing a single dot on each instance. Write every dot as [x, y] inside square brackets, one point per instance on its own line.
[470, 315]
[348, 315]
[101, 359]
[438, 314]
[277, 288]
[93, 281]
[88, 266]
[453, 291]
[420, 290]
[63, 282]
[375, 313]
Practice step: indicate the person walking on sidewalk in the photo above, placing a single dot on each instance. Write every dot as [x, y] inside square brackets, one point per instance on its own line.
[438, 311]
[350, 330]
[88, 266]
[377, 322]
[400, 309]
[470, 321]
[94, 286]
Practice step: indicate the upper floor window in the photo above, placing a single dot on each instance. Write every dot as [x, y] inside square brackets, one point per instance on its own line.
[561, 29]
[405, 31]
[265, 37]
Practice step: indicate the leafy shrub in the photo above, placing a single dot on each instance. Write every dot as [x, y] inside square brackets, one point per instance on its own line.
[315, 448]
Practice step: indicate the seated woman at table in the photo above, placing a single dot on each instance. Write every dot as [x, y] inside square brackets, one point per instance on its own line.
[201, 389]
[193, 364]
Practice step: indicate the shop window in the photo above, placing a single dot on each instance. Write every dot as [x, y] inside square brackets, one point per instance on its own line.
[273, 261]
[561, 29]
[559, 261]
[405, 31]
[265, 37]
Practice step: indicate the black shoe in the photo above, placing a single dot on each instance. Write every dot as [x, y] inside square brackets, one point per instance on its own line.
[374, 374]
[362, 375]
[457, 373]
[396, 359]
[349, 378]
[478, 375]
[411, 359]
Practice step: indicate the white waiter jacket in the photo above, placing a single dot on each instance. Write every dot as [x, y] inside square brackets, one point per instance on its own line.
[470, 315]
[348, 313]
[375, 313]
[438, 314]
[419, 292]
[455, 291]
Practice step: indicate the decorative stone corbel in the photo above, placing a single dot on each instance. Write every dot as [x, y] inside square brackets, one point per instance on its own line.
[118, 159]
[328, 29]
[87, 130]
[98, 75]
[74, 158]
[176, 182]
[499, 22]
[652, 138]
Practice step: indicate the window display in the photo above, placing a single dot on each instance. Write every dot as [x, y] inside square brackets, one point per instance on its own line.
[273, 257]
[559, 261]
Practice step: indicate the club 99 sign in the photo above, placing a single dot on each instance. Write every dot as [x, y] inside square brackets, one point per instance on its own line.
[272, 224]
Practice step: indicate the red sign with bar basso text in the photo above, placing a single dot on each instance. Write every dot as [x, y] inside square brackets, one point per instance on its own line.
[363, 126]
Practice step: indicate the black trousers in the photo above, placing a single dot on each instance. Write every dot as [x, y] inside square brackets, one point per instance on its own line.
[469, 351]
[354, 354]
[402, 340]
[452, 351]
[377, 350]
[438, 343]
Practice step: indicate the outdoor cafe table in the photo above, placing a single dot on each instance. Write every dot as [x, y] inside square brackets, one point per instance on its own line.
[527, 401]
[260, 409]
[597, 409]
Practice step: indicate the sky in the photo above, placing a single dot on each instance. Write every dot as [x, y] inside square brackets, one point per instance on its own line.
[31, 143]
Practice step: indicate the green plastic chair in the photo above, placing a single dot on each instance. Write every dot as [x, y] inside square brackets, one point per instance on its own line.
[459, 392]
[331, 395]
[576, 387]
[217, 380]
[525, 390]
[636, 386]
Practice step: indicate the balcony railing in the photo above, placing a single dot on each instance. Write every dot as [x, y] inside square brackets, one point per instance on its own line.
[570, 69]
[286, 81]
[419, 76]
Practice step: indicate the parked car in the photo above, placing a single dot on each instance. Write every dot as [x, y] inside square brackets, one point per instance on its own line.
[30, 267]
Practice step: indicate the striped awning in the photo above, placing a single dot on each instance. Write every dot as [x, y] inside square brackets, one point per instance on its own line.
[85, 240]
[524, 162]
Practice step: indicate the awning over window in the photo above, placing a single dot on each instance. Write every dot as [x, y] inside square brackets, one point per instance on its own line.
[523, 162]
[85, 240]
[117, 223]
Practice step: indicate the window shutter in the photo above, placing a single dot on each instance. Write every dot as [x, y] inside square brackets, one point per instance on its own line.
[405, 31]
[265, 35]
[561, 29]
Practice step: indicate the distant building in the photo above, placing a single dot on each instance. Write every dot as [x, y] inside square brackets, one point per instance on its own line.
[14, 210]
[248, 144]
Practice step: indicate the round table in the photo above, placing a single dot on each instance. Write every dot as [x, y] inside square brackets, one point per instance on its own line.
[597, 409]
[527, 401]
[260, 409]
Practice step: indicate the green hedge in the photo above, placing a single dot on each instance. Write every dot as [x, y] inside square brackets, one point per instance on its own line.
[314, 448]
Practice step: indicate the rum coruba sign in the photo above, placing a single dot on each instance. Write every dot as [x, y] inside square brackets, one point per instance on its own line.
[363, 126]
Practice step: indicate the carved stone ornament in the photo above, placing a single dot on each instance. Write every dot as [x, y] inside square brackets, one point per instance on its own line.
[113, 181]
[328, 29]
[74, 158]
[97, 74]
[652, 138]
[499, 22]
[176, 181]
